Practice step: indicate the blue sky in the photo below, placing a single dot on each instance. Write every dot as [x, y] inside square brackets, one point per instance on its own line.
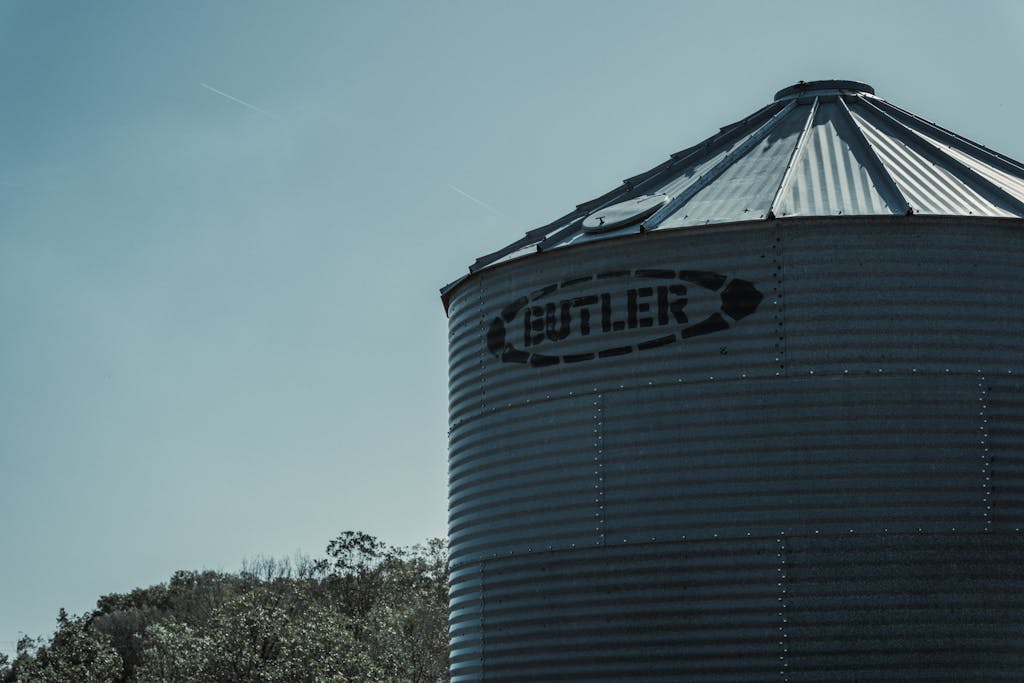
[223, 227]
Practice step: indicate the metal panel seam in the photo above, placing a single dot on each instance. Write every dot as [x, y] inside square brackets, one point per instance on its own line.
[986, 455]
[967, 175]
[780, 571]
[793, 159]
[778, 273]
[881, 170]
[1011, 166]
[599, 470]
[718, 169]
[483, 611]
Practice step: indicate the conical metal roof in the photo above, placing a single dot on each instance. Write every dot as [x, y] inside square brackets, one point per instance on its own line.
[820, 149]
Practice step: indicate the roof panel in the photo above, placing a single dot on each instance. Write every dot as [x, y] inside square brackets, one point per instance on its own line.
[1010, 183]
[929, 188]
[832, 176]
[860, 155]
[745, 190]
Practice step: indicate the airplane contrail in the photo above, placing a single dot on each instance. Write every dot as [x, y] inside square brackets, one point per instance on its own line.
[235, 99]
[483, 204]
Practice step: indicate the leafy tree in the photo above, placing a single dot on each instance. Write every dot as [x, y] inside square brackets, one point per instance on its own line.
[75, 654]
[365, 612]
[408, 625]
[172, 652]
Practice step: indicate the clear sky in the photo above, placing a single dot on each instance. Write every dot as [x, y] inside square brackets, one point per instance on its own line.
[223, 226]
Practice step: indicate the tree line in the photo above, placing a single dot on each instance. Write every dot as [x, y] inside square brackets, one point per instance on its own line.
[366, 612]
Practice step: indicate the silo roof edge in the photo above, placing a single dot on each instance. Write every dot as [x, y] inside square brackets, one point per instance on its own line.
[966, 180]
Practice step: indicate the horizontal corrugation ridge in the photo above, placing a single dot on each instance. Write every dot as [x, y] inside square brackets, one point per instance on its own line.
[746, 344]
[935, 299]
[1002, 403]
[465, 622]
[672, 488]
[465, 345]
[700, 466]
[523, 480]
[838, 607]
[911, 607]
[579, 615]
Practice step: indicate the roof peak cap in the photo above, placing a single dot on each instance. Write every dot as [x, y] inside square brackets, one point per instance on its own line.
[829, 87]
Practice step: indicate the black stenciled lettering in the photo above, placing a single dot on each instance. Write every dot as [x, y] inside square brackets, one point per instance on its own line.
[542, 292]
[582, 303]
[705, 279]
[496, 336]
[533, 325]
[712, 323]
[617, 351]
[557, 320]
[662, 305]
[655, 343]
[677, 306]
[509, 312]
[634, 307]
[656, 273]
[740, 299]
[515, 356]
[541, 360]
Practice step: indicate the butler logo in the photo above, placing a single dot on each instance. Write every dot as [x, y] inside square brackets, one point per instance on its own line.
[529, 329]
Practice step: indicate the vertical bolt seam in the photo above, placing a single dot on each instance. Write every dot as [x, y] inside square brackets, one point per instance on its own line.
[986, 454]
[783, 599]
[483, 594]
[778, 275]
[599, 471]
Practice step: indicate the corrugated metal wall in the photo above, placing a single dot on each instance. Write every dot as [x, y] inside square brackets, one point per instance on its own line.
[830, 487]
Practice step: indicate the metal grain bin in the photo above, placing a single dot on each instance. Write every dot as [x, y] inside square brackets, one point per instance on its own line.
[754, 415]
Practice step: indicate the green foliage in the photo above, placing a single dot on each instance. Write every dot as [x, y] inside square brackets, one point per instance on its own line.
[367, 612]
[75, 654]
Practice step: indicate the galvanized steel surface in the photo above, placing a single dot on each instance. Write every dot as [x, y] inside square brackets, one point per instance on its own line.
[824, 148]
[772, 431]
[826, 487]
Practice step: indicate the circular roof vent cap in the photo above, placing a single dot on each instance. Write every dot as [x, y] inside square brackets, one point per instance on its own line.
[624, 213]
[822, 87]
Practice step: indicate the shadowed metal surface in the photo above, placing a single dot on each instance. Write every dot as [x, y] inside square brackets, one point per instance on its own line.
[752, 449]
